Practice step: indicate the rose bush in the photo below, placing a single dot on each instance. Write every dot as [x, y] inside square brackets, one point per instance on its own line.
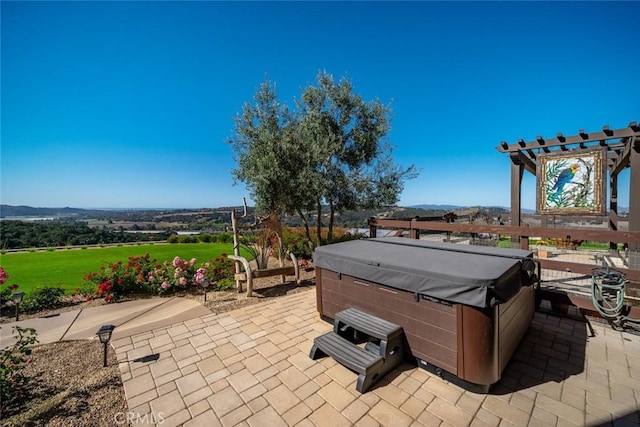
[116, 280]
[13, 382]
[6, 291]
[142, 275]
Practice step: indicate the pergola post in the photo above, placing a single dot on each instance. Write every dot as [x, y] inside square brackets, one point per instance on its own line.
[613, 208]
[623, 151]
[373, 228]
[634, 202]
[414, 233]
[517, 171]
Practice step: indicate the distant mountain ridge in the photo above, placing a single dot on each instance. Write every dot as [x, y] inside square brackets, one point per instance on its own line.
[438, 207]
[458, 208]
[9, 211]
[621, 209]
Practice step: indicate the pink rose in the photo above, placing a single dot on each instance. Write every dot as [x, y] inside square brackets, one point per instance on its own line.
[200, 275]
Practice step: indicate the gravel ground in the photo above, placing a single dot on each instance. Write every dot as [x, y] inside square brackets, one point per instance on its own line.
[68, 385]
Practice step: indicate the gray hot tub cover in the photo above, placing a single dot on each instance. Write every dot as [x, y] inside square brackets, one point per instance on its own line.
[472, 275]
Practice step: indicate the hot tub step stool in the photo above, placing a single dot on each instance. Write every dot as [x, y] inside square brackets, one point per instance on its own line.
[378, 356]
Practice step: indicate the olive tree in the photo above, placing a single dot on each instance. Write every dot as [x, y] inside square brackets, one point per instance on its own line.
[261, 155]
[332, 151]
[354, 167]
[272, 160]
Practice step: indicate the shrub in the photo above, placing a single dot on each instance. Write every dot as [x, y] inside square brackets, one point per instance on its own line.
[143, 275]
[225, 237]
[177, 274]
[295, 240]
[205, 237]
[225, 284]
[12, 380]
[115, 280]
[180, 274]
[173, 238]
[5, 291]
[5, 294]
[565, 243]
[221, 269]
[260, 246]
[42, 298]
[344, 236]
[86, 292]
[185, 238]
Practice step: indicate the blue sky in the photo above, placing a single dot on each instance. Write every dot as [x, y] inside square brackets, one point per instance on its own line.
[129, 104]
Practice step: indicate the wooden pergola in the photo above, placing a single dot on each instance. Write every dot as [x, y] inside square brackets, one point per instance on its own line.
[617, 149]
[622, 148]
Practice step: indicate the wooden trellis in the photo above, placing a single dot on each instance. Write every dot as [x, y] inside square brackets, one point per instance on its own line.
[622, 147]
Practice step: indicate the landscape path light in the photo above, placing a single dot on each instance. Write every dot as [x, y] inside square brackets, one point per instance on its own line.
[104, 334]
[17, 299]
[205, 285]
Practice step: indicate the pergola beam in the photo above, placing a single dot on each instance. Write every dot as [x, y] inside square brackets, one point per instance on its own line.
[622, 160]
[634, 201]
[582, 139]
[521, 158]
[622, 147]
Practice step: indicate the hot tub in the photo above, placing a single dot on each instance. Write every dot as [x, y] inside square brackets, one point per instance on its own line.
[464, 309]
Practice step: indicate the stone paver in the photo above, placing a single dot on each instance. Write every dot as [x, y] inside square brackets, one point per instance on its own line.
[251, 367]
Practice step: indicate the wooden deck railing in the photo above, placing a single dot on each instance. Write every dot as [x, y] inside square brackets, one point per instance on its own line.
[520, 238]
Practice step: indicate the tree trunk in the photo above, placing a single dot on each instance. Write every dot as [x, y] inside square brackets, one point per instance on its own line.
[319, 222]
[332, 212]
[307, 232]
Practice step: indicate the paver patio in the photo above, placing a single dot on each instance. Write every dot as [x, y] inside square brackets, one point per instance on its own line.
[250, 367]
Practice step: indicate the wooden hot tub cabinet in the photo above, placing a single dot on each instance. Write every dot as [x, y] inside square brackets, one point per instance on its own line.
[470, 342]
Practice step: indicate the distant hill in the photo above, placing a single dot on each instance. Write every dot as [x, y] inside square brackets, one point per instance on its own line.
[9, 211]
[439, 207]
[20, 211]
[456, 208]
[463, 209]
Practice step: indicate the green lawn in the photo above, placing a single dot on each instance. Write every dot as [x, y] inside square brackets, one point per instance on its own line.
[67, 268]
